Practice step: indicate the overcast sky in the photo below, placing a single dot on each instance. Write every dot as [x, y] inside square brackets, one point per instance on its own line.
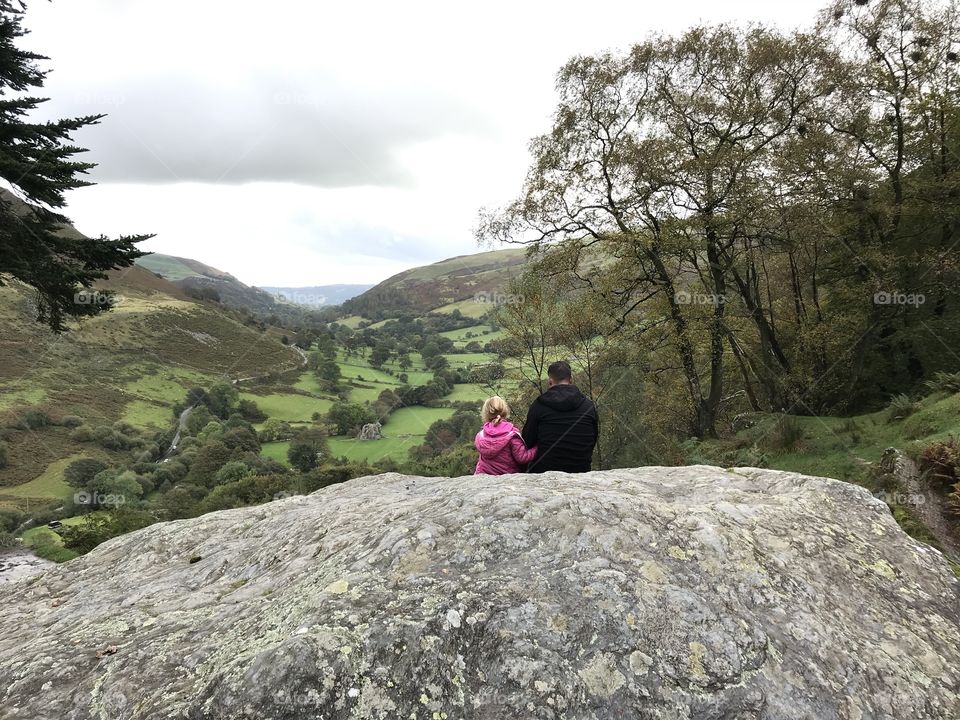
[304, 143]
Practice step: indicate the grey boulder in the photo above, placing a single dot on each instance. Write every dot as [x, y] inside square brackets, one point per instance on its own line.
[659, 593]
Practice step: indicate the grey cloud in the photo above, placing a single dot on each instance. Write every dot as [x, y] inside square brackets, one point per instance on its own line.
[164, 130]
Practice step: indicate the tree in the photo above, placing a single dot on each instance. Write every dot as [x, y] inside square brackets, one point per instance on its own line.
[39, 161]
[222, 399]
[349, 416]
[80, 473]
[307, 449]
[329, 371]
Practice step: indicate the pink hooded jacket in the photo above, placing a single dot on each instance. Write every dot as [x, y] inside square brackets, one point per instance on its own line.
[502, 450]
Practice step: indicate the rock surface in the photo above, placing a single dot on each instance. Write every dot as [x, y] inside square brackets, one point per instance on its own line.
[371, 431]
[659, 593]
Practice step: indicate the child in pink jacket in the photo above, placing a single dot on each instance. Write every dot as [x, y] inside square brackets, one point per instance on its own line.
[502, 450]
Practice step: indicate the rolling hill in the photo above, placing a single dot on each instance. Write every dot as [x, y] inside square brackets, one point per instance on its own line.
[465, 282]
[317, 295]
[129, 365]
[193, 275]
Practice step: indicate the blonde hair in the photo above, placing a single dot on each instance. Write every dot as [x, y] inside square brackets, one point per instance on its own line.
[494, 410]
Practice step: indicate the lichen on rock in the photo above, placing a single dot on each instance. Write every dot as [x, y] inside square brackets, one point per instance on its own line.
[691, 592]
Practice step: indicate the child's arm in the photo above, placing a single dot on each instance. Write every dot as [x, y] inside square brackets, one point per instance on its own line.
[521, 453]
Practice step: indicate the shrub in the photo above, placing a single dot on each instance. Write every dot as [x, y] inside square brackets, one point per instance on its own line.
[10, 519]
[7, 540]
[82, 433]
[35, 419]
[945, 382]
[940, 462]
[4, 454]
[901, 407]
[71, 421]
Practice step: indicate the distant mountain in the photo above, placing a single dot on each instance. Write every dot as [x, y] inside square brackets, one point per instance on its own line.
[469, 283]
[195, 276]
[317, 295]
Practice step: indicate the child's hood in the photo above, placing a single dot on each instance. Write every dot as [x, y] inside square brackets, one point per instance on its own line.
[492, 438]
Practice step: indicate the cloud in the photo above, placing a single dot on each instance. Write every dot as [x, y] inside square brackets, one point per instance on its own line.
[183, 129]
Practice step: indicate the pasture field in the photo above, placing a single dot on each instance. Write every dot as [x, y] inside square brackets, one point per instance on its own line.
[291, 407]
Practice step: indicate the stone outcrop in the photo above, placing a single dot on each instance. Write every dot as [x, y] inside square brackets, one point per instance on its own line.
[655, 593]
[371, 431]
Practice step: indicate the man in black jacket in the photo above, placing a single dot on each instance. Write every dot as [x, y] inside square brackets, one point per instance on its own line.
[562, 423]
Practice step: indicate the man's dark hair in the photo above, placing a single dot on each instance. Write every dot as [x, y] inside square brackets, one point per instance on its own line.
[559, 371]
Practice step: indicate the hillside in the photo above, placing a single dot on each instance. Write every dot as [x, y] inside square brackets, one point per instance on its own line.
[469, 283]
[655, 592]
[131, 364]
[193, 275]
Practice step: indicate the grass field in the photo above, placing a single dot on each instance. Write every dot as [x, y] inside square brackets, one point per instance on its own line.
[147, 414]
[464, 359]
[479, 333]
[276, 450]
[413, 420]
[466, 392]
[49, 485]
[291, 407]
[468, 308]
[374, 450]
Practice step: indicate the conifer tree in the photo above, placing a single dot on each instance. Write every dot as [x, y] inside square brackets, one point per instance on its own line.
[38, 163]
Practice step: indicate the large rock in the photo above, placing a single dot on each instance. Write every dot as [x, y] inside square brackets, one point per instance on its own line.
[660, 593]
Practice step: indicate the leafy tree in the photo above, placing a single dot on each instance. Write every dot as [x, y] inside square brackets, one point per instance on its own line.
[232, 471]
[222, 399]
[39, 161]
[207, 462]
[328, 371]
[307, 448]
[251, 411]
[92, 531]
[80, 473]
[348, 417]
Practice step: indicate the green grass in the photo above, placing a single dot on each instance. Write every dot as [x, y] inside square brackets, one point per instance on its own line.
[841, 447]
[351, 321]
[481, 333]
[170, 267]
[49, 484]
[413, 420]
[18, 394]
[288, 406]
[276, 450]
[164, 385]
[146, 414]
[374, 450]
[468, 308]
[464, 359]
[465, 392]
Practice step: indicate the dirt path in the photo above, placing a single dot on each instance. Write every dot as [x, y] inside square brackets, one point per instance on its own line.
[927, 503]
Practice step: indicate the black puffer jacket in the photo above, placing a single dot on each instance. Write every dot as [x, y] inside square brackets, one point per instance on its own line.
[562, 423]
